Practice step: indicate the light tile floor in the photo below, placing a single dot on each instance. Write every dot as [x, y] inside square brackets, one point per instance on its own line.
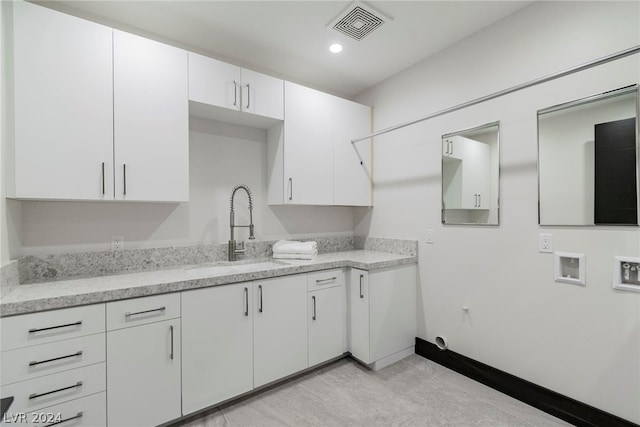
[412, 392]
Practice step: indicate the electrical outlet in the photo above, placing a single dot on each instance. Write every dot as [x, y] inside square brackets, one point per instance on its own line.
[545, 243]
[429, 236]
[117, 243]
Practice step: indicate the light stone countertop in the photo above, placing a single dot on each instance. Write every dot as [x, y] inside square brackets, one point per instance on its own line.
[69, 293]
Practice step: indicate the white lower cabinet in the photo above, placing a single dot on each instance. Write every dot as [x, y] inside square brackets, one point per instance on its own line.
[327, 315]
[327, 324]
[382, 306]
[88, 411]
[280, 328]
[143, 371]
[217, 344]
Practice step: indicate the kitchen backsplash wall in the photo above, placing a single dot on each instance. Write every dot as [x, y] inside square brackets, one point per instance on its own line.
[221, 156]
[39, 268]
[9, 277]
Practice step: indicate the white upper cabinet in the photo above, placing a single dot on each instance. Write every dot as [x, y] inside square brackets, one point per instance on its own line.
[311, 158]
[352, 176]
[308, 148]
[215, 83]
[262, 95]
[98, 115]
[151, 114]
[63, 111]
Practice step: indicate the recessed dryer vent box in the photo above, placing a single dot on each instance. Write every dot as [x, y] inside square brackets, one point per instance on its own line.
[570, 268]
[626, 273]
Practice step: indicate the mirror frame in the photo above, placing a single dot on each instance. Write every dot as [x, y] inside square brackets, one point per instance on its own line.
[497, 197]
[634, 88]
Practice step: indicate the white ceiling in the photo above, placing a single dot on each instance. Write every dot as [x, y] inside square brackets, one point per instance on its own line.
[290, 39]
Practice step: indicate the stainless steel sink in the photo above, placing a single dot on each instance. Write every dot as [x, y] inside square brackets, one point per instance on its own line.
[223, 269]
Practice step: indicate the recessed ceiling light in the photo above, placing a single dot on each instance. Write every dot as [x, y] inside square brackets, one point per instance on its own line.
[335, 48]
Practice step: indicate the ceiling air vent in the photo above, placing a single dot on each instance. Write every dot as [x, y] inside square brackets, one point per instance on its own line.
[358, 21]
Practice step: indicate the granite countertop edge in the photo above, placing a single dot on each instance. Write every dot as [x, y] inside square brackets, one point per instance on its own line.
[77, 292]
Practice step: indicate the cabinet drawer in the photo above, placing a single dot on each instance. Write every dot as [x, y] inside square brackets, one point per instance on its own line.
[140, 311]
[90, 411]
[325, 279]
[57, 388]
[40, 360]
[39, 328]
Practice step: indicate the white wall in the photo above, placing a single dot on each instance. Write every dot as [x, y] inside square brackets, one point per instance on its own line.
[221, 156]
[583, 342]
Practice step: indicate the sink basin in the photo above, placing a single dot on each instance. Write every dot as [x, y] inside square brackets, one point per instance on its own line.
[226, 268]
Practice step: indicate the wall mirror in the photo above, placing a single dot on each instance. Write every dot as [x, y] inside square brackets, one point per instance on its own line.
[471, 176]
[588, 161]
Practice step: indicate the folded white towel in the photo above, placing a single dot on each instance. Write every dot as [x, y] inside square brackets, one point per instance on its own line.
[294, 256]
[294, 247]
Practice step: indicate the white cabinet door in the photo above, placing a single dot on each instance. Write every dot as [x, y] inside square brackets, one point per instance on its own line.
[393, 310]
[62, 79]
[143, 374]
[327, 324]
[217, 344]
[466, 173]
[351, 162]
[476, 174]
[280, 328]
[262, 95]
[151, 116]
[308, 148]
[214, 82]
[358, 332]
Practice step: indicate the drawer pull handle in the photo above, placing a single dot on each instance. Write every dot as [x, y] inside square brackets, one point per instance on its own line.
[36, 395]
[33, 331]
[78, 415]
[246, 302]
[330, 279]
[171, 330]
[361, 290]
[260, 292]
[34, 363]
[127, 314]
[313, 298]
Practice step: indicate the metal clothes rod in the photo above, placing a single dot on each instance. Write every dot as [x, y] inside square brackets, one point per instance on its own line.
[618, 55]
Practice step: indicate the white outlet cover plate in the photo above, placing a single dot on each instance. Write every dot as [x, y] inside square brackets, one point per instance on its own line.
[545, 243]
[117, 242]
[429, 236]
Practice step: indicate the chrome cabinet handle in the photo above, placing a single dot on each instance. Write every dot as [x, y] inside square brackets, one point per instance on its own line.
[171, 330]
[330, 279]
[127, 314]
[260, 294]
[103, 179]
[451, 142]
[313, 298]
[479, 200]
[361, 284]
[290, 188]
[36, 395]
[78, 415]
[235, 93]
[35, 363]
[124, 177]
[246, 301]
[248, 96]
[67, 325]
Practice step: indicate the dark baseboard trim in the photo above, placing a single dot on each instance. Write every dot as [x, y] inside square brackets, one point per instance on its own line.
[558, 405]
